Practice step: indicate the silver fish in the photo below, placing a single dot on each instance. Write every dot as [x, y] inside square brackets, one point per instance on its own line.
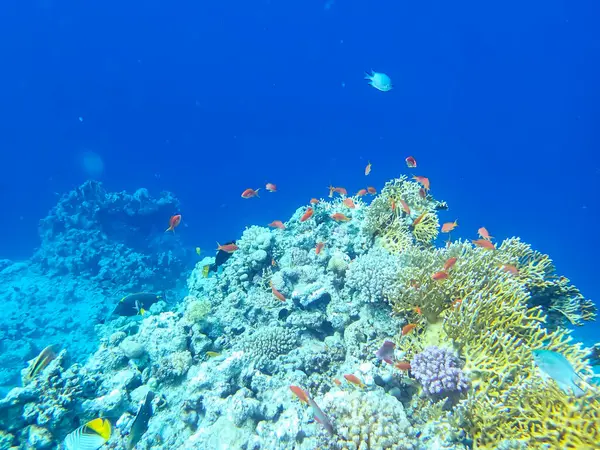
[320, 416]
[557, 367]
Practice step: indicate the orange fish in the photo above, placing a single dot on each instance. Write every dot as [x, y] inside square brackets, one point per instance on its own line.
[361, 193]
[510, 269]
[307, 214]
[339, 217]
[300, 393]
[418, 310]
[418, 219]
[423, 181]
[319, 247]
[457, 302]
[402, 365]
[249, 193]
[408, 328]
[273, 262]
[393, 205]
[228, 248]
[314, 201]
[450, 263]
[337, 382]
[354, 380]
[371, 190]
[405, 207]
[414, 284]
[368, 168]
[276, 293]
[349, 203]
[422, 193]
[173, 222]
[441, 275]
[277, 224]
[484, 243]
[271, 187]
[411, 162]
[449, 226]
[340, 190]
[483, 233]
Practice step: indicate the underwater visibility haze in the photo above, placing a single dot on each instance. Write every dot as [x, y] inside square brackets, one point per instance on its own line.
[329, 224]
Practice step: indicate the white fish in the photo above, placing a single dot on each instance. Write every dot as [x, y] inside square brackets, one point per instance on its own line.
[379, 81]
[557, 367]
[90, 436]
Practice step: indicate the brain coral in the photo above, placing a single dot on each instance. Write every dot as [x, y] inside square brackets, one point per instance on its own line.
[266, 344]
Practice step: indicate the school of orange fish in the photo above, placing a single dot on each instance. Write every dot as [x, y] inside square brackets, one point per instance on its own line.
[386, 352]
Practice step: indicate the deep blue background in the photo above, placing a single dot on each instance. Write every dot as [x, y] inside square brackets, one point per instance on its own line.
[500, 104]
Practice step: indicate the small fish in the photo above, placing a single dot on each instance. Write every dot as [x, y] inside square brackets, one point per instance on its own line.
[411, 162]
[277, 224]
[386, 352]
[449, 226]
[271, 187]
[349, 203]
[422, 193]
[424, 181]
[408, 328]
[510, 269]
[484, 243]
[371, 190]
[368, 169]
[354, 380]
[339, 217]
[361, 193]
[402, 365]
[314, 201]
[90, 436]
[276, 293]
[134, 304]
[320, 416]
[418, 310]
[331, 190]
[319, 247]
[249, 193]
[441, 275]
[212, 354]
[450, 263]
[405, 207]
[456, 302]
[273, 262]
[300, 393]
[340, 190]
[417, 221]
[393, 205]
[557, 367]
[174, 221]
[205, 270]
[198, 251]
[484, 234]
[307, 214]
[228, 248]
[40, 362]
[337, 382]
[140, 423]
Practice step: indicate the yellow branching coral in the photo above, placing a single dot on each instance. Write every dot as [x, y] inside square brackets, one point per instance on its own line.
[426, 229]
[396, 238]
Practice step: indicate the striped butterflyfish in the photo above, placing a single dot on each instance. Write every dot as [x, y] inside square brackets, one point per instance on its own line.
[40, 362]
[90, 436]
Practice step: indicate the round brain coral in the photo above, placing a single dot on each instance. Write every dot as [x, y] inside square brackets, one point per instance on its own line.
[438, 371]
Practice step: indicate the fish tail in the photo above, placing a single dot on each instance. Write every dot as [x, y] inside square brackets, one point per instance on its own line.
[170, 229]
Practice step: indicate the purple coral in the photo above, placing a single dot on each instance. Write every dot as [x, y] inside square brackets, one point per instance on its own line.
[439, 372]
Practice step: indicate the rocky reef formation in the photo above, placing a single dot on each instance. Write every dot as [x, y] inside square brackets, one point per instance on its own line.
[95, 247]
[281, 313]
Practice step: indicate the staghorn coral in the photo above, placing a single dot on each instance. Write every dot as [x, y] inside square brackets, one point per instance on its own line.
[438, 371]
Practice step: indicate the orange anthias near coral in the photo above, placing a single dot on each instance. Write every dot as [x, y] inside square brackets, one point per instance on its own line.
[484, 243]
[449, 226]
[441, 275]
[354, 380]
[408, 328]
[349, 203]
[319, 247]
[484, 234]
[361, 193]
[405, 207]
[271, 187]
[277, 224]
[276, 293]
[174, 221]
[249, 193]
[371, 190]
[368, 169]
[339, 217]
[307, 214]
[424, 181]
[227, 248]
[300, 393]
[450, 263]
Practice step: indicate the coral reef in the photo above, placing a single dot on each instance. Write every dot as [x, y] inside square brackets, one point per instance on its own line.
[283, 312]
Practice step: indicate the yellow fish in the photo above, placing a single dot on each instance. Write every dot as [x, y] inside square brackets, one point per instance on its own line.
[212, 354]
[198, 251]
[205, 271]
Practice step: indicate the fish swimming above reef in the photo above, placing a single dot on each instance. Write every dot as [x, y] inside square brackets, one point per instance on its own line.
[140, 423]
[40, 362]
[90, 436]
[379, 81]
[554, 365]
[134, 304]
[221, 258]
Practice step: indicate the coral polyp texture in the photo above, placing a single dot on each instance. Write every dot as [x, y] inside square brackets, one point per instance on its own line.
[296, 316]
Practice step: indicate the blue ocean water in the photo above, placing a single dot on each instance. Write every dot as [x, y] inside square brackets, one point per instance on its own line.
[498, 103]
